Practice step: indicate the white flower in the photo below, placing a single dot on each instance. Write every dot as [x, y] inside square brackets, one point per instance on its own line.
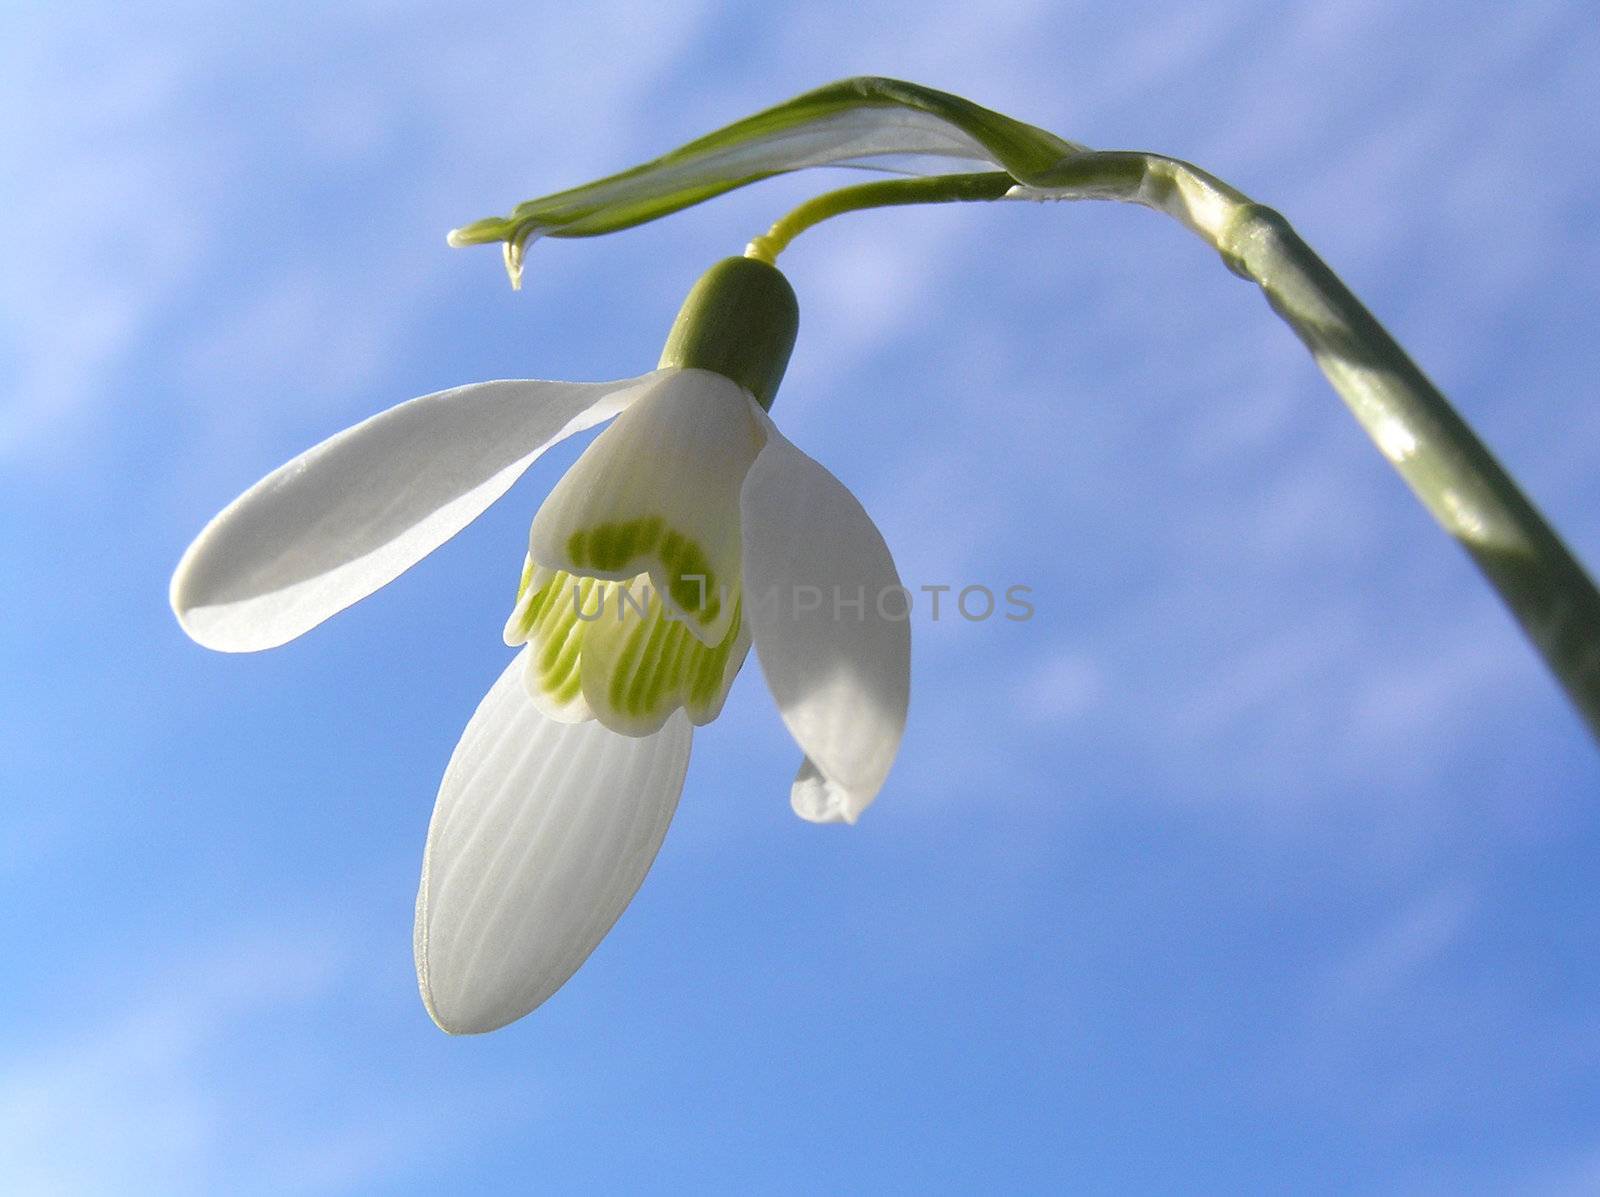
[688, 529]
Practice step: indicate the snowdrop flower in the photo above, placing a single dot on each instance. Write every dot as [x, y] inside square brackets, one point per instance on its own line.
[688, 530]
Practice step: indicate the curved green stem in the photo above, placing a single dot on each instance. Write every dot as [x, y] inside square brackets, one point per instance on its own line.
[1448, 468]
[885, 193]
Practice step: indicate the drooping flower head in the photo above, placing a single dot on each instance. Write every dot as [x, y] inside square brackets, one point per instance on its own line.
[690, 529]
[631, 597]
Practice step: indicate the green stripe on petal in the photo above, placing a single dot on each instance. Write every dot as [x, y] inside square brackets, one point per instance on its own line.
[617, 653]
[550, 621]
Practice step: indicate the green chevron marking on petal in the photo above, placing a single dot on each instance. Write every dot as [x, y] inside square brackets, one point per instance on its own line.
[621, 545]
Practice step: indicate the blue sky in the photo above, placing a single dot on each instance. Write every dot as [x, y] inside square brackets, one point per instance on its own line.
[1261, 859]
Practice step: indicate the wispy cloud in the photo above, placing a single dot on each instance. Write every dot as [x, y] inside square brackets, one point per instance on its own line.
[229, 242]
[1390, 960]
[105, 145]
[130, 1103]
[127, 224]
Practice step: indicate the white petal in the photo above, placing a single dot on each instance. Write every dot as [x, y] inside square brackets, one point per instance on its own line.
[542, 833]
[817, 800]
[355, 512]
[840, 672]
[658, 492]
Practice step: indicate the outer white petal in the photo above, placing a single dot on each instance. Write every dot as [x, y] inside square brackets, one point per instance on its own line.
[542, 833]
[841, 674]
[355, 512]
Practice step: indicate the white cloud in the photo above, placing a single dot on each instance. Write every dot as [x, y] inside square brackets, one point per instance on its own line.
[1576, 1172]
[233, 1067]
[1391, 959]
[128, 1104]
[1062, 687]
[137, 204]
[100, 242]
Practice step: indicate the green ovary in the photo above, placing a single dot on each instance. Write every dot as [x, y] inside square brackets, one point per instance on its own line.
[623, 649]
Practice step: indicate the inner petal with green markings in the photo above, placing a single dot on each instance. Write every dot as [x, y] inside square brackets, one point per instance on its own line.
[631, 593]
[614, 651]
[657, 493]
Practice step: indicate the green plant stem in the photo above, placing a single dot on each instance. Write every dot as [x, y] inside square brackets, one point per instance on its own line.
[1448, 468]
[884, 193]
